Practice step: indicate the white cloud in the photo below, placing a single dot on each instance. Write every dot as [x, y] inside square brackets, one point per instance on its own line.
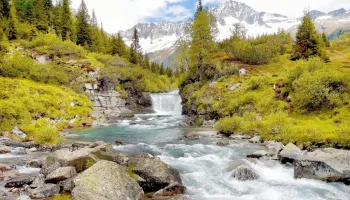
[123, 14]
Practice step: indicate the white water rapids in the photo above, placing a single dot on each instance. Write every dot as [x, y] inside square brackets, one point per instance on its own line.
[204, 166]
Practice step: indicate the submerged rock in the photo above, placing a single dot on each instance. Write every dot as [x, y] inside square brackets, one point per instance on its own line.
[257, 154]
[157, 174]
[326, 164]
[106, 180]
[240, 137]
[244, 173]
[223, 143]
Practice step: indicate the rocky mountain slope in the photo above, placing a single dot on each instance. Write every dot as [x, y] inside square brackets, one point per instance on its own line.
[159, 39]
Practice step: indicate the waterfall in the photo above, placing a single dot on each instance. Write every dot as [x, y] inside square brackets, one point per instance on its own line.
[167, 103]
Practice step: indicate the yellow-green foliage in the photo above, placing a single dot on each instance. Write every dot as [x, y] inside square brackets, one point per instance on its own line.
[51, 44]
[62, 197]
[309, 106]
[43, 132]
[23, 101]
[137, 78]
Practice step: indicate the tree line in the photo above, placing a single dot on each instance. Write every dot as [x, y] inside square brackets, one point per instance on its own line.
[25, 19]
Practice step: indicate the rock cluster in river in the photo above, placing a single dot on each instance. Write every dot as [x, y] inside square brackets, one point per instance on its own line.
[92, 171]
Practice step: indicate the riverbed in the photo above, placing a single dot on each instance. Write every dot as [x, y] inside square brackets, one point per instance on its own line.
[204, 166]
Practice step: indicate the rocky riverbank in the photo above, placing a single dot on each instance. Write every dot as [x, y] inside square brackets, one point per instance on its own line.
[85, 170]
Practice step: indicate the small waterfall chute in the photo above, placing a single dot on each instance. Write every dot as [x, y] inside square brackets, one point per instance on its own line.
[167, 103]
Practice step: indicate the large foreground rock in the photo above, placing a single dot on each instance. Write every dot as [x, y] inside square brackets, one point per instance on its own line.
[326, 164]
[157, 174]
[106, 180]
[81, 159]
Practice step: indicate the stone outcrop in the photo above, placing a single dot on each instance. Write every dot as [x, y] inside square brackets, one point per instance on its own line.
[157, 174]
[81, 159]
[323, 164]
[106, 180]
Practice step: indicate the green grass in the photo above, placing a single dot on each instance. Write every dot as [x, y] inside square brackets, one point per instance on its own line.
[36, 108]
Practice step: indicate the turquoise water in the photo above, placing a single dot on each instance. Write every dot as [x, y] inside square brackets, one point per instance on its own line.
[205, 167]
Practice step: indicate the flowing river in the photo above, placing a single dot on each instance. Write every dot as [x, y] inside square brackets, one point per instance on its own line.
[204, 166]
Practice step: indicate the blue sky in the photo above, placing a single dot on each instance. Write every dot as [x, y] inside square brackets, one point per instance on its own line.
[119, 15]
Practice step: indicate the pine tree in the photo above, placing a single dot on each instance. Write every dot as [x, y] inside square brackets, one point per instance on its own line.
[325, 40]
[94, 19]
[49, 10]
[41, 18]
[161, 69]
[4, 8]
[133, 55]
[308, 42]
[136, 41]
[199, 7]
[13, 23]
[66, 27]
[202, 39]
[83, 27]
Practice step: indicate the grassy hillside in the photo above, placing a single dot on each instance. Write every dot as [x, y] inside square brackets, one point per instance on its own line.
[304, 102]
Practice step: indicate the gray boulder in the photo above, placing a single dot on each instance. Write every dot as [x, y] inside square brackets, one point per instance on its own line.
[105, 180]
[20, 181]
[39, 181]
[289, 153]
[242, 171]
[157, 174]
[4, 149]
[240, 137]
[18, 133]
[80, 159]
[257, 154]
[67, 185]
[19, 151]
[36, 163]
[274, 148]
[47, 190]
[255, 139]
[61, 174]
[326, 164]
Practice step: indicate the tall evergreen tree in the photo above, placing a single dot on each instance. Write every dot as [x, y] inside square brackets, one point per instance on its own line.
[136, 40]
[133, 55]
[83, 27]
[94, 19]
[308, 42]
[41, 16]
[49, 10]
[66, 28]
[4, 8]
[202, 39]
[13, 24]
[199, 6]
[325, 40]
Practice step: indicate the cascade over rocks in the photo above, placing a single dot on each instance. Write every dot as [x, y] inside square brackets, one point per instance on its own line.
[106, 180]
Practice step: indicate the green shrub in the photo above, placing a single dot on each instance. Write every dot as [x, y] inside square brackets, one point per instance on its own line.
[43, 132]
[229, 125]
